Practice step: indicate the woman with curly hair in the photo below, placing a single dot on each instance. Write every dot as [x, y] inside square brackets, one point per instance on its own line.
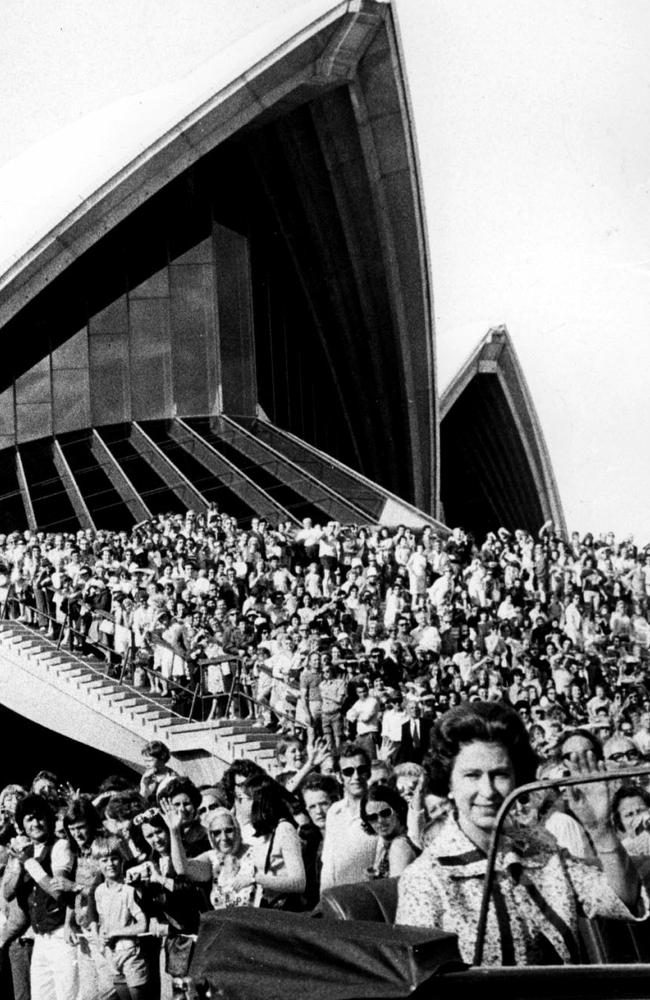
[480, 753]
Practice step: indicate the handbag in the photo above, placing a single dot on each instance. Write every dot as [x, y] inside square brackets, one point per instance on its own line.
[107, 626]
[178, 955]
[292, 902]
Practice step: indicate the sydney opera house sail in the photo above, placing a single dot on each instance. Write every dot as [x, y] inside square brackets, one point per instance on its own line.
[496, 470]
[241, 312]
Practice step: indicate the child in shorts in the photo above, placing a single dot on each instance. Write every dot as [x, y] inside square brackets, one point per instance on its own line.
[120, 920]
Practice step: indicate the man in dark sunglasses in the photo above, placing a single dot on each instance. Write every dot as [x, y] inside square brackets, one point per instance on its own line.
[620, 752]
[348, 850]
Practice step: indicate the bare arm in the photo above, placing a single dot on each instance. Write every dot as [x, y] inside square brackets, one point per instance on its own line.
[399, 856]
[287, 872]
[197, 869]
[591, 804]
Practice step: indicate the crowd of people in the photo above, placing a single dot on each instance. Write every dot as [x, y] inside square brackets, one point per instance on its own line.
[413, 677]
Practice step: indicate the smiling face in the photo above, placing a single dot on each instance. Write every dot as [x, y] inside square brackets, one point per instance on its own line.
[481, 777]
[382, 820]
[293, 757]
[36, 828]
[355, 772]
[111, 866]
[182, 804]
[224, 835]
[156, 838]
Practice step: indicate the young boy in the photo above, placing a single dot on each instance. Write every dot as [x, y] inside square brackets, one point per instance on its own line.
[120, 919]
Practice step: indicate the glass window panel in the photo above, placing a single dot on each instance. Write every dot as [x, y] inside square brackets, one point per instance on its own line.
[71, 399]
[7, 413]
[199, 254]
[237, 351]
[151, 364]
[34, 385]
[73, 353]
[33, 420]
[109, 379]
[157, 286]
[112, 319]
[193, 338]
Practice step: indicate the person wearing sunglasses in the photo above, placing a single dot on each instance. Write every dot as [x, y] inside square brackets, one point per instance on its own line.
[620, 752]
[384, 812]
[348, 848]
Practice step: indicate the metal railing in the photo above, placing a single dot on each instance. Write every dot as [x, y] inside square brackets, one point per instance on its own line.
[123, 667]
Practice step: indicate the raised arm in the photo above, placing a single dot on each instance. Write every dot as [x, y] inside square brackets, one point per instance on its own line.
[197, 869]
[591, 803]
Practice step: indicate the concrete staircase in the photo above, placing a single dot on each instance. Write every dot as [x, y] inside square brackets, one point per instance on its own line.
[74, 695]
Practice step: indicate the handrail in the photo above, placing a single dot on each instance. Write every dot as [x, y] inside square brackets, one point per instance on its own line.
[96, 670]
[196, 693]
[516, 793]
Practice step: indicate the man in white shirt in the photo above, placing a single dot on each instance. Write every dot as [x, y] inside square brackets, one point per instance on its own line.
[366, 712]
[348, 851]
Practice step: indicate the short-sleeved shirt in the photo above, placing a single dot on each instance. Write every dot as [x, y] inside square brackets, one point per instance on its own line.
[117, 907]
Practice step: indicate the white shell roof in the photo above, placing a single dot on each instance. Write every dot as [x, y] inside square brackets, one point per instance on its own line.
[53, 177]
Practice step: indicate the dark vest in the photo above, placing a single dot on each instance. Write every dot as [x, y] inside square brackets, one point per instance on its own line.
[45, 912]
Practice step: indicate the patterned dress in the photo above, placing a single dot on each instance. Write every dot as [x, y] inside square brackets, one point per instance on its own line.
[538, 893]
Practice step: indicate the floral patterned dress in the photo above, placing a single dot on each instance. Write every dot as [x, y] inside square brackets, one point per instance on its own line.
[538, 893]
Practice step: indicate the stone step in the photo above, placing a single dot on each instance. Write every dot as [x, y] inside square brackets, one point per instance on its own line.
[246, 737]
[94, 683]
[72, 670]
[127, 704]
[140, 707]
[260, 745]
[146, 717]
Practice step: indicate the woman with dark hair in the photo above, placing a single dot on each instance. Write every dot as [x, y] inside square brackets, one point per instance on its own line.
[171, 900]
[631, 812]
[277, 865]
[185, 798]
[234, 780]
[383, 814]
[480, 753]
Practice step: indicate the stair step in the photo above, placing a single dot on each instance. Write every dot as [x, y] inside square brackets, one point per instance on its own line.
[245, 737]
[260, 745]
[141, 706]
[127, 704]
[189, 727]
[145, 717]
[70, 670]
[94, 683]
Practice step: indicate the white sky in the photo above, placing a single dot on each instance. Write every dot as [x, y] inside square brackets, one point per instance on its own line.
[532, 120]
